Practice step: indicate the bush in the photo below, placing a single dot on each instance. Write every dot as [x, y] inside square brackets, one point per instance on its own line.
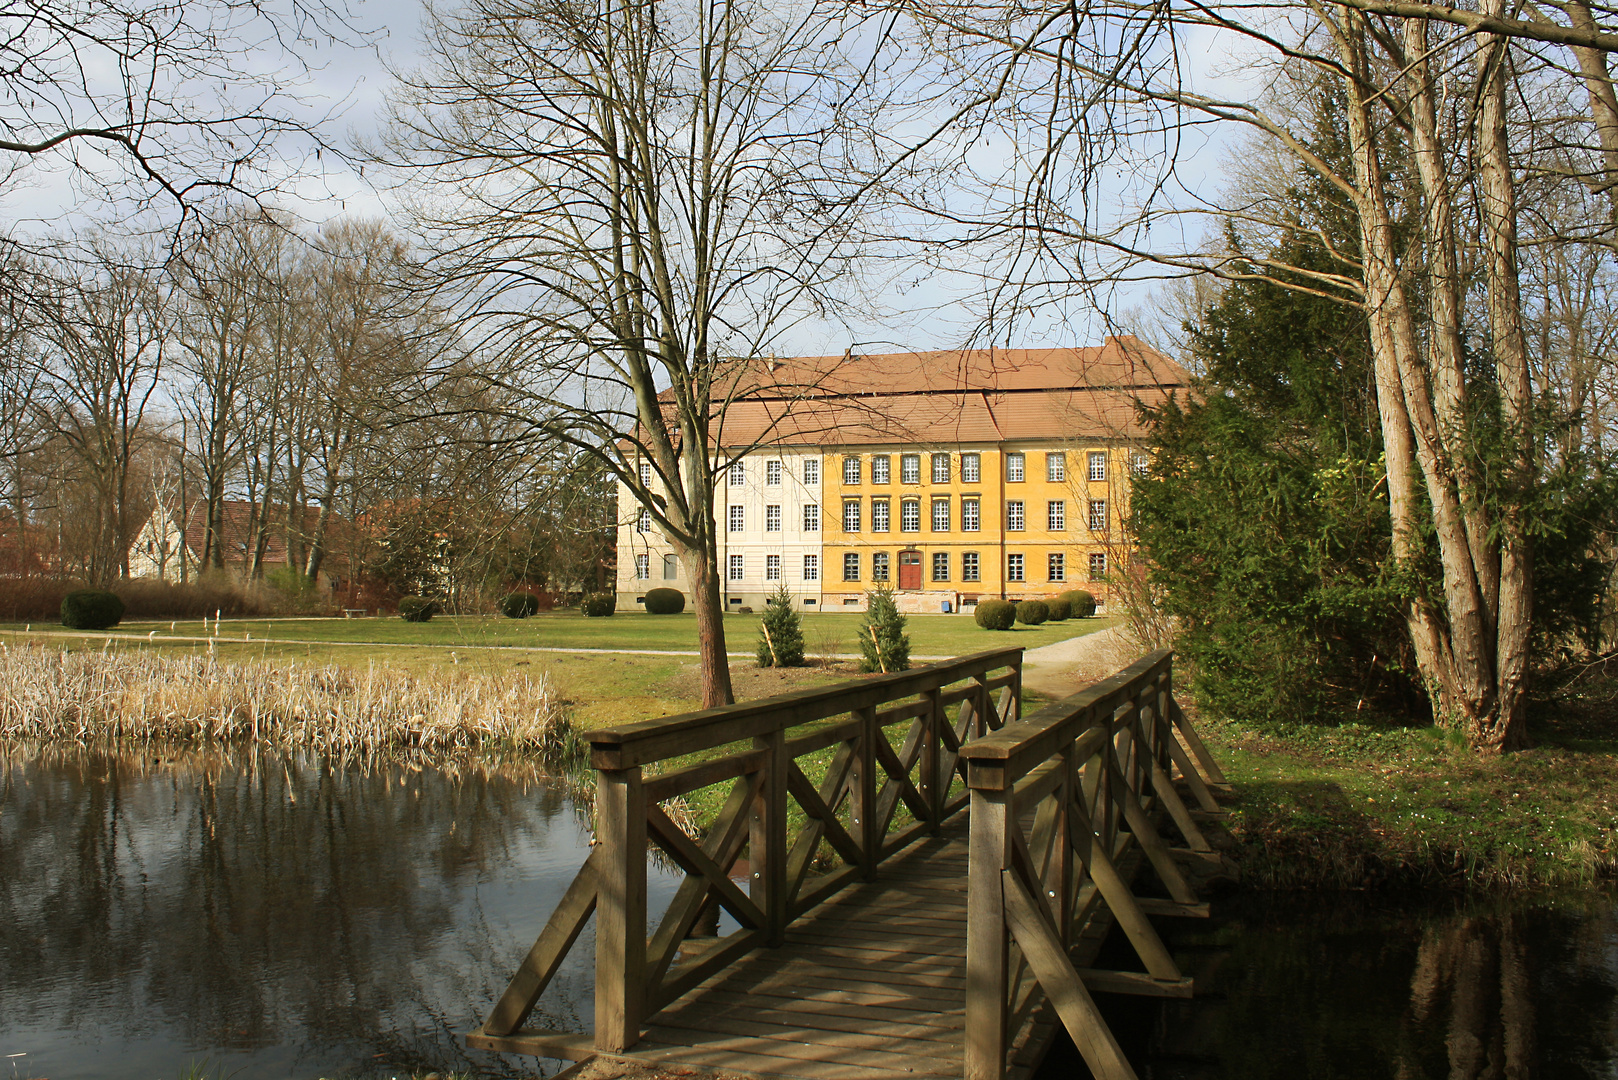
[883, 643]
[598, 605]
[518, 605]
[665, 602]
[996, 614]
[1083, 604]
[1032, 612]
[417, 608]
[780, 632]
[91, 609]
[1060, 609]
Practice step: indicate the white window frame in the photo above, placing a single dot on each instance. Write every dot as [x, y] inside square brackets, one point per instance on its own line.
[971, 569]
[736, 518]
[1098, 515]
[643, 567]
[852, 470]
[1014, 566]
[772, 518]
[644, 471]
[1140, 463]
[1056, 467]
[971, 468]
[851, 566]
[1098, 565]
[811, 568]
[811, 517]
[881, 469]
[940, 466]
[1098, 466]
[971, 515]
[811, 470]
[940, 560]
[1015, 518]
[910, 516]
[735, 568]
[909, 468]
[1015, 468]
[880, 566]
[772, 568]
[738, 474]
[941, 515]
[851, 515]
[643, 520]
[1056, 515]
[881, 515]
[1056, 566]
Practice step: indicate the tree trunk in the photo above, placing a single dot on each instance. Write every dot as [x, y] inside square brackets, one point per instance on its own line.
[1603, 101]
[703, 566]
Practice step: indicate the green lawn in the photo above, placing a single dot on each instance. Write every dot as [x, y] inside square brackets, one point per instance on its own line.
[824, 633]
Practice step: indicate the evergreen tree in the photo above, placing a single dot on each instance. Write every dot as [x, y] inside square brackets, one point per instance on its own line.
[780, 633]
[883, 642]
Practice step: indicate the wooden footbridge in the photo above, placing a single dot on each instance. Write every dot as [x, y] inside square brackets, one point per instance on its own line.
[882, 933]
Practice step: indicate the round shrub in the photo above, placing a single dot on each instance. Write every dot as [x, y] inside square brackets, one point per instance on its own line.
[91, 609]
[996, 614]
[417, 608]
[1060, 609]
[598, 605]
[1032, 612]
[1084, 605]
[665, 602]
[518, 605]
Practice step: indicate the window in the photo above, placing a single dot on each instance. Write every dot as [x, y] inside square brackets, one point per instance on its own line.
[772, 568]
[643, 567]
[1014, 567]
[811, 568]
[851, 515]
[880, 464]
[910, 468]
[1058, 566]
[735, 565]
[738, 518]
[1098, 465]
[738, 474]
[851, 470]
[851, 566]
[971, 468]
[1014, 465]
[772, 519]
[971, 515]
[969, 566]
[671, 567]
[940, 515]
[643, 520]
[1098, 565]
[879, 566]
[811, 470]
[940, 566]
[811, 517]
[940, 468]
[1140, 463]
[910, 516]
[1098, 515]
[1056, 468]
[772, 473]
[645, 471]
[1056, 515]
[879, 515]
[1014, 518]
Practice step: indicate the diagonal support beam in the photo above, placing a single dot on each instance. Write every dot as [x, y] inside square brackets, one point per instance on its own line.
[1168, 871]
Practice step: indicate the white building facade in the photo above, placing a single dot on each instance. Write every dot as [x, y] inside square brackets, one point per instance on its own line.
[771, 528]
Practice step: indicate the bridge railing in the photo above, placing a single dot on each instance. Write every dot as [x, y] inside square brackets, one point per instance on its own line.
[1058, 800]
[817, 780]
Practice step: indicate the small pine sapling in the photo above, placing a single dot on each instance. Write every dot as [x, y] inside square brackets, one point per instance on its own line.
[885, 645]
[780, 632]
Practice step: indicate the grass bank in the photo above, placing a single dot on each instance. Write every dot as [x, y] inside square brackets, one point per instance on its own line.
[1360, 806]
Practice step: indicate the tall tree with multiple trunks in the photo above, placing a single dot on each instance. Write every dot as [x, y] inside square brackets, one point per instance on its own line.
[1443, 120]
[624, 197]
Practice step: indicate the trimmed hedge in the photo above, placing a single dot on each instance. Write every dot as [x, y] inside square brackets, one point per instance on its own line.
[598, 605]
[91, 609]
[1060, 609]
[665, 602]
[518, 605]
[1032, 612]
[1084, 605]
[417, 608]
[995, 614]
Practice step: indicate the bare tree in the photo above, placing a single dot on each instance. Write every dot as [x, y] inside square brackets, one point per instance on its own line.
[623, 197]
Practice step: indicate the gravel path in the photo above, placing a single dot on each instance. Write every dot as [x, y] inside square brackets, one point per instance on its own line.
[1065, 667]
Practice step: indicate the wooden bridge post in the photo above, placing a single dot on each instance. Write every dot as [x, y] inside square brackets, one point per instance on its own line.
[867, 828]
[620, 908]
[987, 940]
[932, 785]
[767, 844]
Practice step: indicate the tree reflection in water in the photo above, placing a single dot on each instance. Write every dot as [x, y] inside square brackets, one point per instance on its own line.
[272, 912]
[1476, 969]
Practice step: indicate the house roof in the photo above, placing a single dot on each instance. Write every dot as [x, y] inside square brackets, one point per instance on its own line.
[944, 396]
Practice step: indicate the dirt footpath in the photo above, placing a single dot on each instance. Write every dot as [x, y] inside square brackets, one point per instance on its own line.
[1065, 668]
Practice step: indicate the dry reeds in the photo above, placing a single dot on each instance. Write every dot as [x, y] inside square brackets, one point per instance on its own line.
[90, 697]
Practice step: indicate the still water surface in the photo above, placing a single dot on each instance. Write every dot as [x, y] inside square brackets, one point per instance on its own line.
[281, 916]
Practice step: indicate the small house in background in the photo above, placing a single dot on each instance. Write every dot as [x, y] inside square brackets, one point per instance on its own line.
[253, 536]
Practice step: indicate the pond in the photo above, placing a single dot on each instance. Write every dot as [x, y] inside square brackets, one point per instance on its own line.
[282, 916]
[1379, 987]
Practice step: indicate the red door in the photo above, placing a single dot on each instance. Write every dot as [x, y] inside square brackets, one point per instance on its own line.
[909, 569]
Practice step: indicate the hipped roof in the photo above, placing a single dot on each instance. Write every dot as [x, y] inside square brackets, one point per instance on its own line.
[945, 396]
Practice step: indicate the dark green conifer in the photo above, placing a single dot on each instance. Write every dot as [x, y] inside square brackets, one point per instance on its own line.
[780, 632]
[883, 642]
